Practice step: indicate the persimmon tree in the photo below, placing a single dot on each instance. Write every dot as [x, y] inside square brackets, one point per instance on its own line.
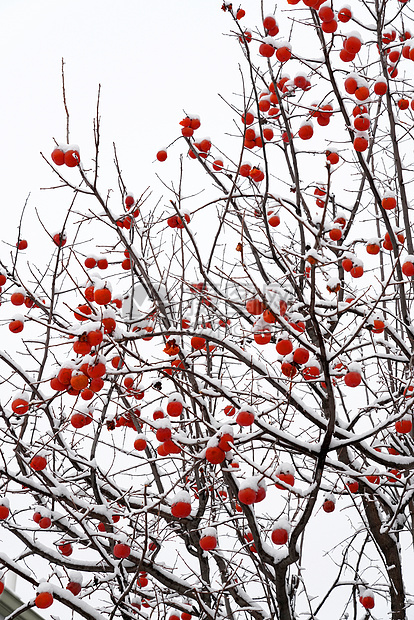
[194, 385]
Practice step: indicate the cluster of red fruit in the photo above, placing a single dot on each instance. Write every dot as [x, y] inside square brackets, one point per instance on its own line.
[66, 154]
[219, 446]
[251, 139]
[199, 149]
[162, 427]
[300, 357]
[83, 377]
[18, 298]
[269, 46]
[255, 172]
[175, 221]
[184, 616]
[322, 113]
[353, 265]
[395, 55]
[252, 491]
[408, 49]
[43, 520]
[127, 220]
[91, 262]
[189, 125]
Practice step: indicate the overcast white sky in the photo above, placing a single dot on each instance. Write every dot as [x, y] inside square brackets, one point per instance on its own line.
[153, 59]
